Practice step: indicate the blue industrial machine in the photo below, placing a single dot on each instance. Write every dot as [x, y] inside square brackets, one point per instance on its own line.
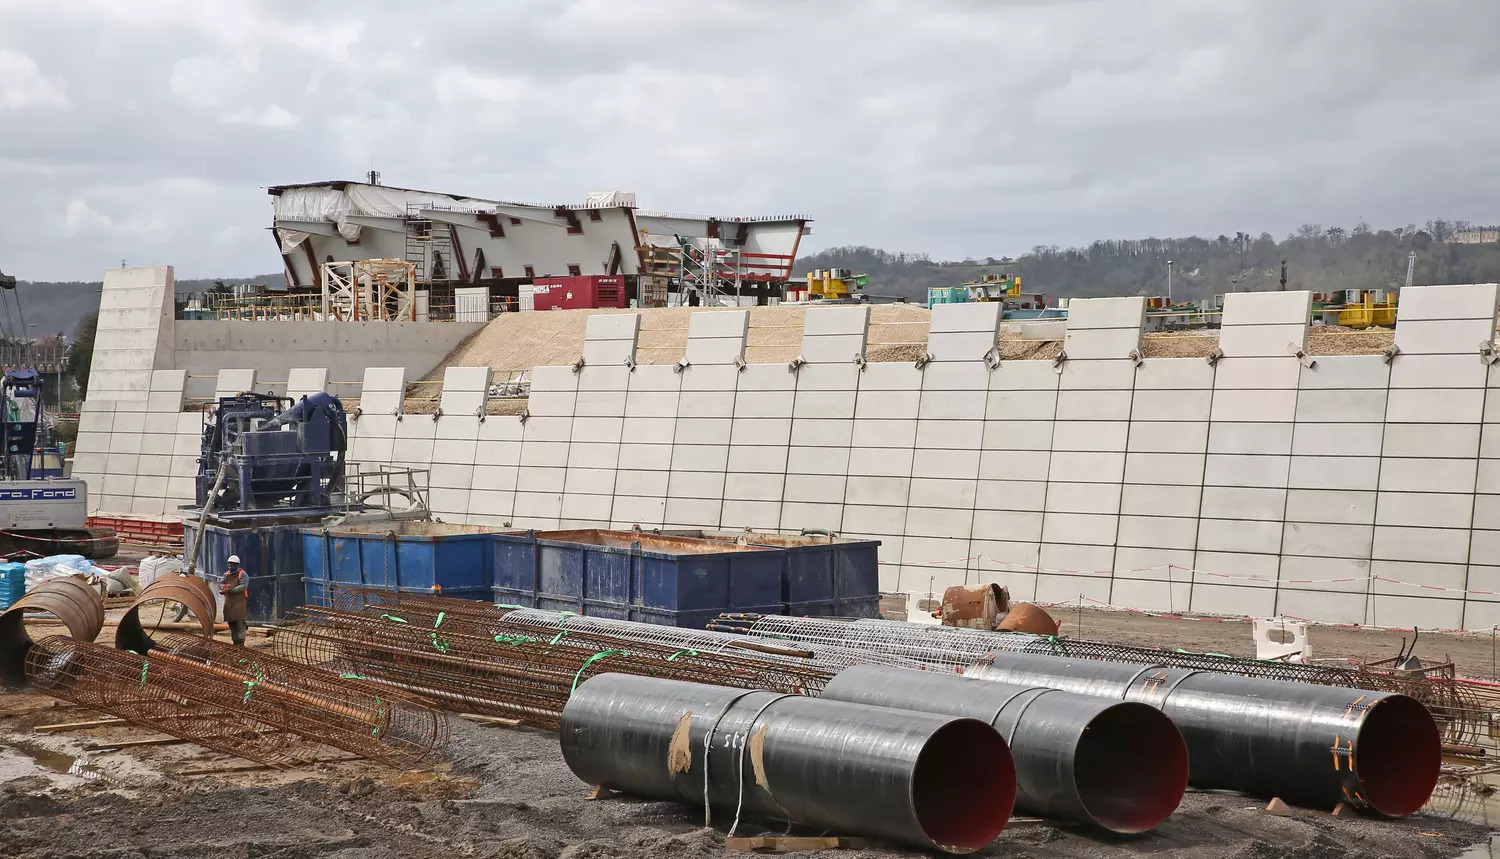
[274, 455]
[269, 466]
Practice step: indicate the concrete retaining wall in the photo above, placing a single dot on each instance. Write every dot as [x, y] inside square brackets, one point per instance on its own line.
[1359, 489]
[343, 348]
[138, 333]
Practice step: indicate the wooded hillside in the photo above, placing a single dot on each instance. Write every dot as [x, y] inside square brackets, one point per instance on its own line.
[1318, 258]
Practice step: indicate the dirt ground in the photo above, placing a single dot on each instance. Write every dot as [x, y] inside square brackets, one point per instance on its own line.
[509, 795]
[1474, 654]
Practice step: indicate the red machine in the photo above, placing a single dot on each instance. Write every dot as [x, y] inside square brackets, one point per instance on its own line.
[570, 293]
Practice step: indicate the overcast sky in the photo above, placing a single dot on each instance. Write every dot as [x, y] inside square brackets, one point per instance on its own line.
[147, 130]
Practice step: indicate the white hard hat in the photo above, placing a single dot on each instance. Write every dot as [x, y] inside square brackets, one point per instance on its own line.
[234, 559]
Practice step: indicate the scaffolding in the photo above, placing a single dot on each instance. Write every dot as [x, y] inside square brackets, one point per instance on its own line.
[708, 271]
[381, 290]
[429, 244]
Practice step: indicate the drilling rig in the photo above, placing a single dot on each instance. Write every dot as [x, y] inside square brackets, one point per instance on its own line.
[41, 511]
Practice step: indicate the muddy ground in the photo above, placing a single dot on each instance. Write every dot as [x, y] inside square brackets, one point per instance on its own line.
[508, 794]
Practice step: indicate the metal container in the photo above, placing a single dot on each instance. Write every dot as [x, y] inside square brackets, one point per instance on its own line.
[410, 557]
[823, 575]
[935, 782]
[1120, 766]
[628, 575]
[271, 554]
[578, 291]
[1312, 745]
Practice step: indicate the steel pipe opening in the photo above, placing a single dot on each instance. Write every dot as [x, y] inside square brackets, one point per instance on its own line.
[1311, 745]
[1119, 766]
[1134, 747]
[960, 801]
[191, 592]
[69, 599]
[1398, 756]
[936, 782]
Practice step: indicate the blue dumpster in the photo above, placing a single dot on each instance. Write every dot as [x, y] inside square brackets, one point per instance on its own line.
[823, 575]
[270, 551]
[409, 557]
[629, 575]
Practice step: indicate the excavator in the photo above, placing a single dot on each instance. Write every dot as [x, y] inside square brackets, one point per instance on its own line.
[41, 511]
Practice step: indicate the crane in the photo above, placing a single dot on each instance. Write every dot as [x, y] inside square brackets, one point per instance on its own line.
[1411, 266]
[40, 510]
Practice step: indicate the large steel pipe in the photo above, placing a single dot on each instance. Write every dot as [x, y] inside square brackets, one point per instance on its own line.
[1312, 745]
[79, 607]
[1121, 766]
[191, 592]
[936, 782]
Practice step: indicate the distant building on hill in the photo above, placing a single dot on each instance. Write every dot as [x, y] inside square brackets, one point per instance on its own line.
[1476, 236]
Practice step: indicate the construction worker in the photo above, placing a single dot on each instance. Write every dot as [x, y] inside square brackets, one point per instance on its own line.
[234, 588]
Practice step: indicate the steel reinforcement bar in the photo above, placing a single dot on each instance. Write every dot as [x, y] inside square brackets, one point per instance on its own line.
[486, 665]
[738, 667]
[1459, 710]
[954, 646]
[169, 696]
[831, 659]
[380, 724]
[79, 607]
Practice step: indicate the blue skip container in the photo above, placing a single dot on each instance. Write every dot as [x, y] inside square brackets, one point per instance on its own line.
[823, 575]
[270, 552]
[406, 557]
[628, 575]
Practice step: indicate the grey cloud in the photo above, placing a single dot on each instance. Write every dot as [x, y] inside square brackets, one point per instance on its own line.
[958, 128]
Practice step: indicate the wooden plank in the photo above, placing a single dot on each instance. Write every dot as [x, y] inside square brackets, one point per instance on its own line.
[791, 844]
[74, 726]
[495, 721]
[134, 742]
[55, 705]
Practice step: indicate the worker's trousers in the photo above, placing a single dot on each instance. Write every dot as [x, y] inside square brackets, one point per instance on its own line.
[237, 632]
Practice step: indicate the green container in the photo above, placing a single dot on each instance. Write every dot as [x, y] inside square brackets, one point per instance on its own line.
[947, 295]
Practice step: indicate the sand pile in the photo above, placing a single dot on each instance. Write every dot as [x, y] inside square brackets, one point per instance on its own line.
[517, 342]
[1339, 340]
[1179, 344]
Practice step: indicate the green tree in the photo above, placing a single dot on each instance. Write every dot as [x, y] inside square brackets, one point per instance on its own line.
[1319, 258]
[81, 353]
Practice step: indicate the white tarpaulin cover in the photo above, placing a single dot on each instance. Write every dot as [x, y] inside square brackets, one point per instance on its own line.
[606, 199]
[291, 240]
[323, 203]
